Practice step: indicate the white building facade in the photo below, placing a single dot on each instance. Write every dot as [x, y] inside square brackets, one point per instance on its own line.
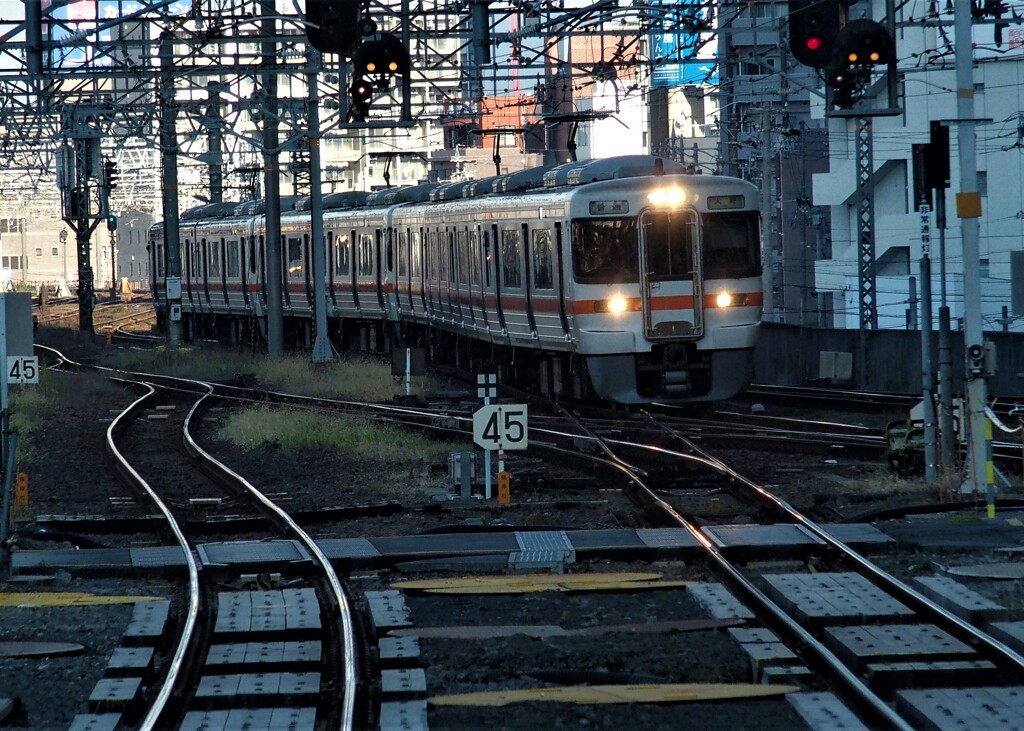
[927, 88]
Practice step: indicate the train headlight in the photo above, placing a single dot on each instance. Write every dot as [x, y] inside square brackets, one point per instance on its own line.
[667, 197]
[615, 305]
[723, 299]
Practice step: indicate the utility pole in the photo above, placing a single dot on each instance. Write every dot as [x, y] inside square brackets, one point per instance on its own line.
[767, 234]
[322, 350]
[272, 185]
[169, 171]
[968, 208]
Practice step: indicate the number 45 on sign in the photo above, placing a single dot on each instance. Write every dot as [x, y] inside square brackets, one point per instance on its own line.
[500, 426]
[22, 369]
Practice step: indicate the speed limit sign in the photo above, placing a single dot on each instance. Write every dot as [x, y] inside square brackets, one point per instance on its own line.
[22, 369]
[501, 426]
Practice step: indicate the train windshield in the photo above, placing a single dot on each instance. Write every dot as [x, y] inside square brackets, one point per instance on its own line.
[731, 245]
[604, 251]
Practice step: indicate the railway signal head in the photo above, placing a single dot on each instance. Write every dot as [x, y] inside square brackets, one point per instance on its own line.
[110, 174]
[374, 64]
[813, 29]
[111, 222]
[862, 47]
[865, 43]
[333, 25]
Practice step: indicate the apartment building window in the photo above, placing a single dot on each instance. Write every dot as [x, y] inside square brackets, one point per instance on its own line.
[983, 182]
[39, 251]
[53, 251]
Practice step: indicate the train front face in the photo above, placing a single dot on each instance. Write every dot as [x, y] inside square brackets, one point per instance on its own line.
[667, 286]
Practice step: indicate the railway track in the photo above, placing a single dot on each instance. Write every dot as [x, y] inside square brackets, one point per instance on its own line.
[287, 647]
[724, 610]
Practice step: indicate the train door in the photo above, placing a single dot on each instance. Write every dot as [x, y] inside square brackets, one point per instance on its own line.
[560, 280]
[512, 281]
[202, 272]
[331, 255]
[460, 276]
[307, 258]
[417, 241]
[243, 271]
[217, 272]
[476, 280]
[383, 265]
[492, 262]
[545, 304]
[293, 269]
[364, 267]
[670, 282]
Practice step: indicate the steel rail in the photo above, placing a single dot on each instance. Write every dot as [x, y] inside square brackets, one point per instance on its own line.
[854, 684]
[177, 661]
[890, 583]
[338, 592]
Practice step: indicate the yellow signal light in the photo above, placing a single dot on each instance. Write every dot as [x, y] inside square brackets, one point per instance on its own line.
[875, 57]
[852, 58]
[371, 66]
[393, 66]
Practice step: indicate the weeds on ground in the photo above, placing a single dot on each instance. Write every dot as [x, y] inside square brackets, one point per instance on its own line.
[356, 437]
[33, 405]
[356, 378]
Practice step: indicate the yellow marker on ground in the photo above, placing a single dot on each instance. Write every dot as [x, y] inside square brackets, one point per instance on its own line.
[67, 599]
[599, 694]
[539, 582]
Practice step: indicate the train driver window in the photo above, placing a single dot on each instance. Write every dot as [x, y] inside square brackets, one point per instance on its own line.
[604, 251]
[294, 258]
[730, 245]
[542, 250]
[511, 266]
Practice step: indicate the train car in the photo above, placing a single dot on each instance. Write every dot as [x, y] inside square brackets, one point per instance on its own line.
[627, 278]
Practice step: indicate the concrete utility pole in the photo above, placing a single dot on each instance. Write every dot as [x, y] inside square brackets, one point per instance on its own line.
[322, 350]
[272, 186]
[968, 208]
[169, 170]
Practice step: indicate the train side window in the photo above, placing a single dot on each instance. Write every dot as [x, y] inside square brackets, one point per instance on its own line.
[161, 264]
[440, 246]
[486, 253]
[294, 258]
[473, 254]
[213, 254]
[231, 267]
[415, 260]
[341, 255]
[403, 255]
[511, 265]
[462, 252]
[542, 249]
[365, 262]
[604, 251]
[252, 256]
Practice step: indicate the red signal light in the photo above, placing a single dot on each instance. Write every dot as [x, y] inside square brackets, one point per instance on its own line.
[813, 43]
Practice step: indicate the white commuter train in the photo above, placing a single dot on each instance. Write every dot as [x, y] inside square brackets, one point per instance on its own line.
[626, 278]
